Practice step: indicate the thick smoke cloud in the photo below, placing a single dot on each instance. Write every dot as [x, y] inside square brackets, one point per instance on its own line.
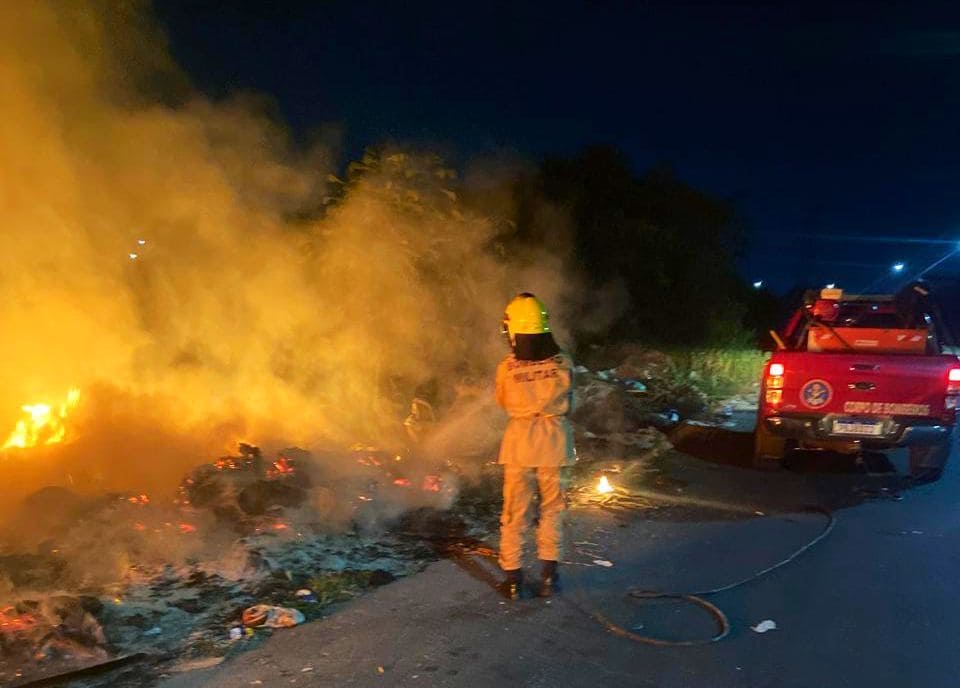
[271, 301]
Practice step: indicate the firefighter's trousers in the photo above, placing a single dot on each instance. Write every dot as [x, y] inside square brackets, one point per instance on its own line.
[518, 494]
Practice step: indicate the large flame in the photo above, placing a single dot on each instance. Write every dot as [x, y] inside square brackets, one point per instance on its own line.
[42, 423]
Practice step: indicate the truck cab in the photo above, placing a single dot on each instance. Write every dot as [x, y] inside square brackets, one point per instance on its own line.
[856, 372]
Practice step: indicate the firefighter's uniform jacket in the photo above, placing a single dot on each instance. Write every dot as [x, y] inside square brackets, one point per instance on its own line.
[538, 441]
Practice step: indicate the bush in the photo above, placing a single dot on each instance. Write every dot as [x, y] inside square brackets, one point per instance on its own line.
[718, 372]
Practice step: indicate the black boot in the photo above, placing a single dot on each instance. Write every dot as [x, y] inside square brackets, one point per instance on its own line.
[549, 579]
[512, 585]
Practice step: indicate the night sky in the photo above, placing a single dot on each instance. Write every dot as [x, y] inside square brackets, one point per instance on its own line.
[834, 126]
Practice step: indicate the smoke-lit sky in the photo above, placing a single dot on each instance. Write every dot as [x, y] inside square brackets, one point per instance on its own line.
[820, 118]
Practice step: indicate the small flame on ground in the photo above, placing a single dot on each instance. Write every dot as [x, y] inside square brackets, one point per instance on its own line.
[604, 486]
[283, 465]
[10, 621]
[43, 423]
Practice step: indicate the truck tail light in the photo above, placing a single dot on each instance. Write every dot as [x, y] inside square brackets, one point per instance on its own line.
[774, 396]
[774, 380]
[952, 400]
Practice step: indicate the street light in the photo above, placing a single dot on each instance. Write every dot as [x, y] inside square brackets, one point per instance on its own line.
[898, 267]
[758, 284]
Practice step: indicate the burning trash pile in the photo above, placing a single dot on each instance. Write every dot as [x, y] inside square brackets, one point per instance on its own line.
[249, 544]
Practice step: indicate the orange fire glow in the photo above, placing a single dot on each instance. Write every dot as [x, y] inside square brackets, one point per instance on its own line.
[604, 486]
[12, 622]
[42, 423]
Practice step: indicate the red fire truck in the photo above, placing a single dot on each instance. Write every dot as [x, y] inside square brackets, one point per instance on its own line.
[855, 372]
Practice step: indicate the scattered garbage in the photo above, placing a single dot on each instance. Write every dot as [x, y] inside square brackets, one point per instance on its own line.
[305, 595]
[156, 630]
[603, 562]
[236, 633]
[271, 616]
[764, 626]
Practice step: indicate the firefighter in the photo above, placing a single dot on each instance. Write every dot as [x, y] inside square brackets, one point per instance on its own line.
[535, 387]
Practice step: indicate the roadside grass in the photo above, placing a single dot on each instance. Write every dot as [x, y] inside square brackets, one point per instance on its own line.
[718, 372]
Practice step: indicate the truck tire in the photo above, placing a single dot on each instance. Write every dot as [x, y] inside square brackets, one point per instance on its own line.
[927, 463]
[768, 449]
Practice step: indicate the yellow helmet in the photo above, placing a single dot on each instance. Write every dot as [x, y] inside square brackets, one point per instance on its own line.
[525, 314]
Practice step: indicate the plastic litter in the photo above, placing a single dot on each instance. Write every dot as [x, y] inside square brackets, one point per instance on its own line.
[603, 562]
[236, 633]
[635, 386]
[304, 595]
[153, 631]
[272, 617]
[764, 626]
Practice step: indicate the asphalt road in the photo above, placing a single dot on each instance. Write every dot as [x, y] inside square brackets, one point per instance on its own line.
[875, 604]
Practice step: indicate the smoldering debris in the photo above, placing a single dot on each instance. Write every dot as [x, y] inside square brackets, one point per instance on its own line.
[120, 574]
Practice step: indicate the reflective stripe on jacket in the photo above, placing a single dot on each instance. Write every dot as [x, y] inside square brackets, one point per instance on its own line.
[537, 395]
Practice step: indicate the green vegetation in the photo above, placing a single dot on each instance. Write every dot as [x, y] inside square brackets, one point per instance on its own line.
[718, 372]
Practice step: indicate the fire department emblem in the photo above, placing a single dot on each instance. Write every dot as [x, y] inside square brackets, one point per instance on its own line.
[816, 394]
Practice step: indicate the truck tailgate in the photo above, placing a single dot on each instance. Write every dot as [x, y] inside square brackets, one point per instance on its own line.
[855, 383]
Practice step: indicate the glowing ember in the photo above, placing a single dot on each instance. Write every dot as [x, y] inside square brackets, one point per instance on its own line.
[187, 528]
[283, 465]
[43, 423]
[432, 483]
[11, 622]
[604, 486]
[402, 482]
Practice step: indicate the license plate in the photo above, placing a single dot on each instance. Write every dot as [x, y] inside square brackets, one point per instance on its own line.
[870, 428]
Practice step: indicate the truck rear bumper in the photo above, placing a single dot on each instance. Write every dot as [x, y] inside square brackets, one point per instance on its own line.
[897, 432]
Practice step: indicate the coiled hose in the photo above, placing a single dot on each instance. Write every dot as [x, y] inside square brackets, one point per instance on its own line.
[697, 598]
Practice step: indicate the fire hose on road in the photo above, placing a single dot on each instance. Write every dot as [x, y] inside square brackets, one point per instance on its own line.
[697, 598]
